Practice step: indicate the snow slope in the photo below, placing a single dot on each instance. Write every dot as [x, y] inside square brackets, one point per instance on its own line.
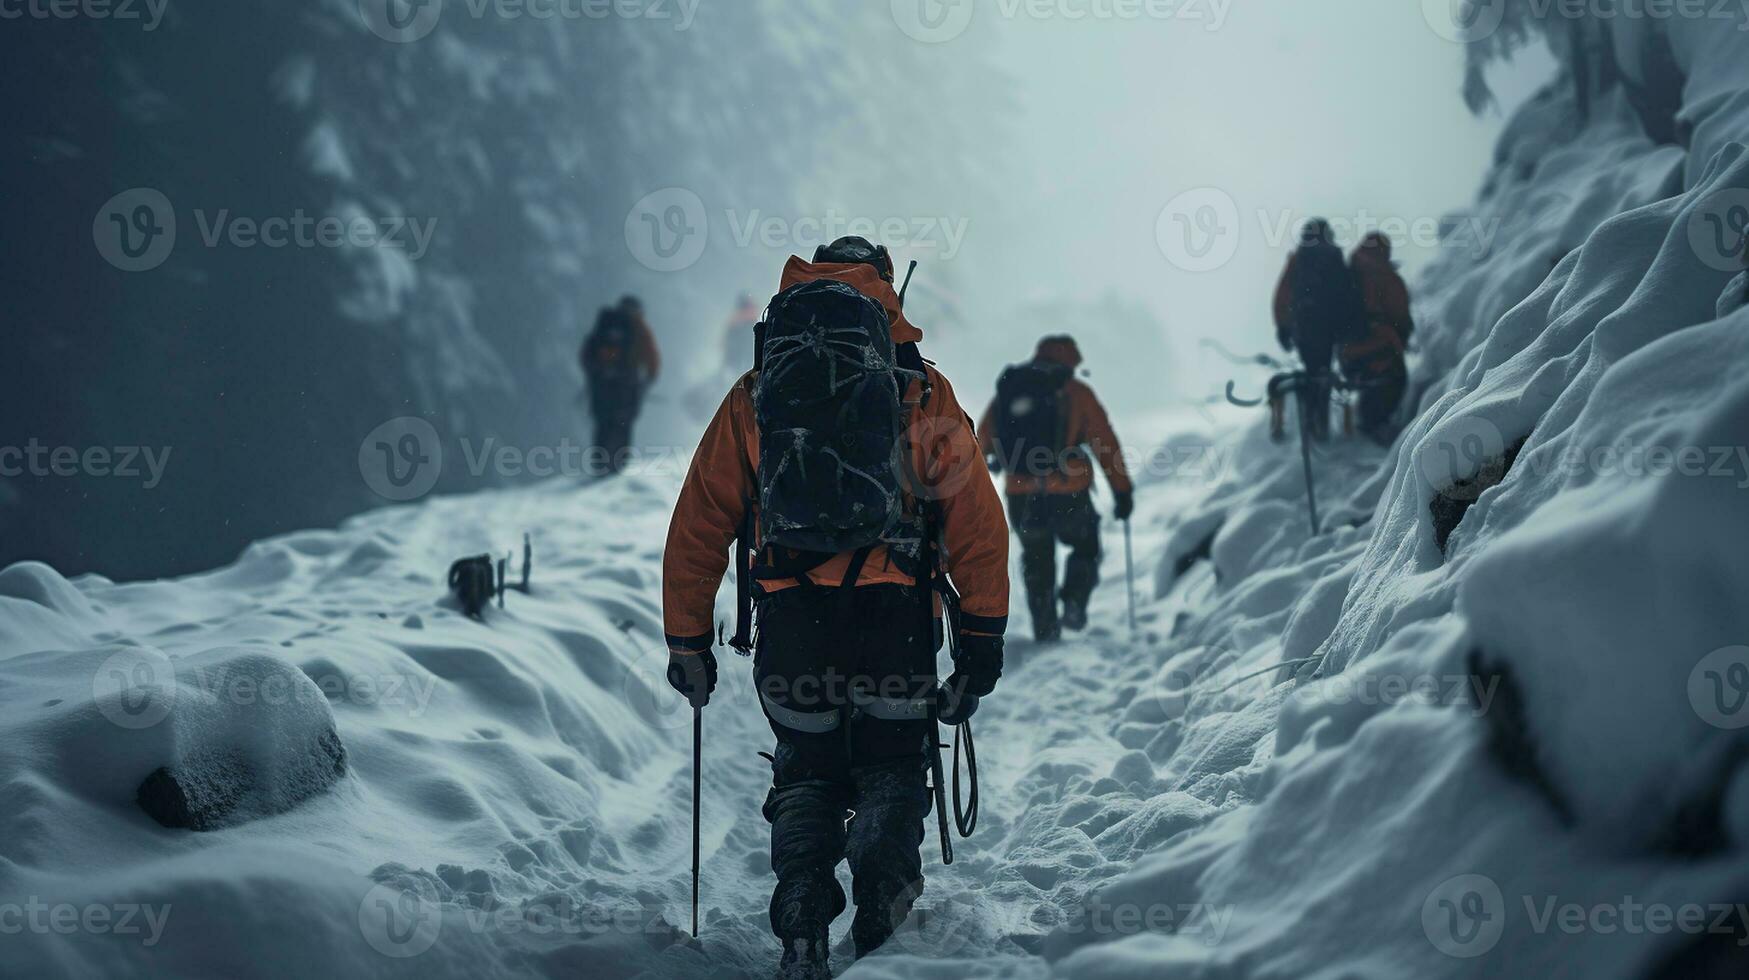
[1518, 751]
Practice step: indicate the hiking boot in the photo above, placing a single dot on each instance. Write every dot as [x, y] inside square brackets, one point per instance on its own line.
[805, 959]
[1047, 634]
[1074, 615]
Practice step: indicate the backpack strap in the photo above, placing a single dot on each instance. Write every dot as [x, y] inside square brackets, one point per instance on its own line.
[909, 360]
[743, 641]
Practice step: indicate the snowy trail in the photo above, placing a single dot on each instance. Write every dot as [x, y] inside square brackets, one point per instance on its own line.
[524, 781]
[1047, 758]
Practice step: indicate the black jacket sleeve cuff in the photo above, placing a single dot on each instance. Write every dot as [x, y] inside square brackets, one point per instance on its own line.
[991, 625]
[690, 644]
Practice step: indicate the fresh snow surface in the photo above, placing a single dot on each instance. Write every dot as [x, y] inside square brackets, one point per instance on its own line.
[517, 798]
[1346, 755]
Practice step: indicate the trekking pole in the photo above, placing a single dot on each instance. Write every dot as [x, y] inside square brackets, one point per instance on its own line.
[907, 283]
[1306, 452]
[697, 759]
[1129, 562]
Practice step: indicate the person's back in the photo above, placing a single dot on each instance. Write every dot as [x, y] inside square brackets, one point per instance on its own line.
[1046, 430]
[829, 622]
[1317, 308]
[1376, 360]
[620, 362]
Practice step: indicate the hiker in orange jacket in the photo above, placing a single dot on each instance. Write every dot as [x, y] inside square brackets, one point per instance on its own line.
[1045, 429]
[1376, 360]
[620, 362]
[829, 634]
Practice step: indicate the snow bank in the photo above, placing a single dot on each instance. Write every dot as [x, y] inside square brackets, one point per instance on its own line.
[383, 787]
[1494, 752]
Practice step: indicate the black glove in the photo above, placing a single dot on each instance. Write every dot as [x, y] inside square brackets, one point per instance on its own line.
[1126, 505]
[978, 666]
[953, 707]
[693, 675]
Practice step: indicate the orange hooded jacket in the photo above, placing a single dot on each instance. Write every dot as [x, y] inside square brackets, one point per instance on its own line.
[646, 354]
[723, 484]
[1086, 425]
[1388, 320]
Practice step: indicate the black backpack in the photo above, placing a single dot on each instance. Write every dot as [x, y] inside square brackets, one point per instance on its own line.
[1031, 423]
[610, 355]
[1328, 308]
[829, 405]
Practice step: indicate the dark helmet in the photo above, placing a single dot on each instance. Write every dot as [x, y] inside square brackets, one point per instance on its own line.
[855, 250]
[1317, 233]
[631, 304]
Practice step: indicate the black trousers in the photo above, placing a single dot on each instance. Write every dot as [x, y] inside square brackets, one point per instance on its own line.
[1040, 521]
[1316, 352]
[821, 656]
[1379, 401]
[615, 407]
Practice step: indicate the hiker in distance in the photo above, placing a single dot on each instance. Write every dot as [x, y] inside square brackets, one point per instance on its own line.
[1376, 360]
[620, 362]
[850, 475]
[1042, 430]
[1317, 308]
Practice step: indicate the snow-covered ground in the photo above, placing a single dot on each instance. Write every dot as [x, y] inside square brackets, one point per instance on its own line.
[1489, 722]
[516, 794]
